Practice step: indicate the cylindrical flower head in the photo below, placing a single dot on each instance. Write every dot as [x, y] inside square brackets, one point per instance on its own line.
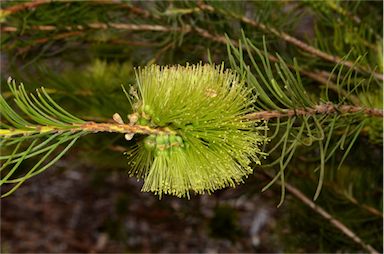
[213, 143]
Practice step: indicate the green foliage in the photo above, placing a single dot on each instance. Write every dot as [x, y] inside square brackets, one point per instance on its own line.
[51, 127]
[202, 140]
[341, 196]
[313, 56]
[279, 88]
[90, 90]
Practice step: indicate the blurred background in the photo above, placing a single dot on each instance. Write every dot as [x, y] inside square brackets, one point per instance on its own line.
[82, 51]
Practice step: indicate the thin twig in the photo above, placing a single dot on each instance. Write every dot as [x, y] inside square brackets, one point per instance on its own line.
[139, 129]
[296, 42]
[87, 127]
[323, 77]
[366, 207]
[339, 190]
[146, 14]
[78, 30]
[24, 6]
[319, 77]
[60, 36]
[328, 108]
[335, 222]
[33, 4]
[97, 25]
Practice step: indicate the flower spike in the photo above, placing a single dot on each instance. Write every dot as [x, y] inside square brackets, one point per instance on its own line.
[213, 142]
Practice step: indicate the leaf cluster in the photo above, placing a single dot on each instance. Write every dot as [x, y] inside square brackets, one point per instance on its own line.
[49, 127]
[278, 88]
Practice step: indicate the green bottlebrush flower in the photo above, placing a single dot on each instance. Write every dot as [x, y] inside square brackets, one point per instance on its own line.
[207, 143]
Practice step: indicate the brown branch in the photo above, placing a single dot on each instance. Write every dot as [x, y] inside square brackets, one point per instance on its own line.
[139, 129]
[78, 30]
[24, 6]
[366, 207]
[147, 14]
[132, 43]
[335, 222]
[323, 77]
[328, 108]
[335, 188]
[122, 128]
[33, 4]
[96, 25]
[88, 127]
[296, 42]
[217, 38]
[58, 36]
[44, 40]
[131, 8]
[317, 76]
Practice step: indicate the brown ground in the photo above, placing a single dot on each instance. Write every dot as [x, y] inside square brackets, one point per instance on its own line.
[75, 211]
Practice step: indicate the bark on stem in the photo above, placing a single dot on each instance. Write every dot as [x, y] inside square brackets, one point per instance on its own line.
[23, 6]
[98, 25]
[328, 108]
[139, 129]
[336, 223]
[91, 127]
[319, 77]
[76, 30]
[298, 43]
